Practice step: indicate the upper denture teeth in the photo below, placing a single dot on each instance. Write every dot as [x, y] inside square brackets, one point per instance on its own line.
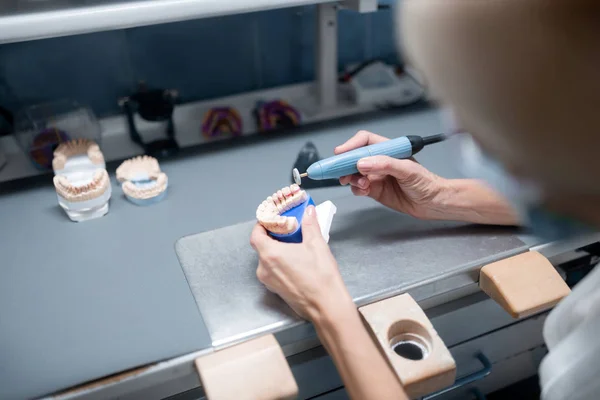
[280, 207]
[269, 211]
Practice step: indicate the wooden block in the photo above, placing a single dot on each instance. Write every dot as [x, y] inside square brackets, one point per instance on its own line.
[524, 284]
[256, 370]
[399, 325]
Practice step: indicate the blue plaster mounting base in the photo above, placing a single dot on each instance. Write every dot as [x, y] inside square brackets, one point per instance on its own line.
[296, 212]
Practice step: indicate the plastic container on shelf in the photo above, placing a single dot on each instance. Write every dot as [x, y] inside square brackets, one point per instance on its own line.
[40, 128]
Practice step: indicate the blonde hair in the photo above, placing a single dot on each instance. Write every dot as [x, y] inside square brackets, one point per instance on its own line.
[522, 75]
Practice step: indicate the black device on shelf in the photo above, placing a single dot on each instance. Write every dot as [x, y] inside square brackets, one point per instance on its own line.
[7, 122]
[307, 156]
[154, 105]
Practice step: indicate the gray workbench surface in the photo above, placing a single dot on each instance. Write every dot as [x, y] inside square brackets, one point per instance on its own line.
[79, 301]
[380, 253]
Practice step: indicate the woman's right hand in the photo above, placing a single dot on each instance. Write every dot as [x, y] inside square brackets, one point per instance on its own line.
[408, 187]
[403, 185]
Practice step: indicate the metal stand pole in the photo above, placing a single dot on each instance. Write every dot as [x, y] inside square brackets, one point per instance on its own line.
[327, 55]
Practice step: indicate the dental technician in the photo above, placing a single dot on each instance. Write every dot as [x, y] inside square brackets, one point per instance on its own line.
[522, 77]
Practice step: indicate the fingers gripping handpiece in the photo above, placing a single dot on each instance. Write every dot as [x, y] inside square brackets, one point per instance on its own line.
[307, 156]
[346, 164]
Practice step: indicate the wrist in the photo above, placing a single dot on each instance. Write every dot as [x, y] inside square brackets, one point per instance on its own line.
[337, 327]
[333, 309]
[468, 200]
[442, 205]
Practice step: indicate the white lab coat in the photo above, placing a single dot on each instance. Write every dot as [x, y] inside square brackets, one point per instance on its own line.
[571, 369]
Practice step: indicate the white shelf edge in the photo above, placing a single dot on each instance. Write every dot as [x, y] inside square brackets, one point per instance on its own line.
[32, 25]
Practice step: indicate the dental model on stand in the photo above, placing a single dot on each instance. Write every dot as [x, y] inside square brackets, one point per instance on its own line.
[143, 182]
[77, 155]
[81, 181]
[281, 214]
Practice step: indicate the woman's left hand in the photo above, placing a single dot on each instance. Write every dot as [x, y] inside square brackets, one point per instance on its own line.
[304, 274]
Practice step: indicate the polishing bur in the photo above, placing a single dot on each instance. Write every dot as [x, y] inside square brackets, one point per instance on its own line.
[298, 176]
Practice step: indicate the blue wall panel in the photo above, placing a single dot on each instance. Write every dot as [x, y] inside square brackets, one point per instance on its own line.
[202, 59]
[280, 40]
[93, 69]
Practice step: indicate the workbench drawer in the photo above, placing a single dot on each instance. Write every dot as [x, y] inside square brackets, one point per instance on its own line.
[513, 351]
[315, 373]
[467, 318]
[505, 373]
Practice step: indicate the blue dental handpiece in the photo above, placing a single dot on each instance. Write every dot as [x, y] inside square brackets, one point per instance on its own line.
[345, 164]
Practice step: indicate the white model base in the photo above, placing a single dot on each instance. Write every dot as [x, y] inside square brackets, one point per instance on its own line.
[79, 211]
[325, 212]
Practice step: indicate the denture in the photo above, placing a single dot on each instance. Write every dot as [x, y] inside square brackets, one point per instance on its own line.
[142, 180]
[82, 184]
[84, 196]
[269, 211]
[77, 147]
[92, 189]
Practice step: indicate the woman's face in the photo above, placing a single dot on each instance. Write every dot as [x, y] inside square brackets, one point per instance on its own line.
[522, 76]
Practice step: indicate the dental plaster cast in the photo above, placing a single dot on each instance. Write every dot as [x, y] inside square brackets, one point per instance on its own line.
[84, 198]
[77, 155]
[142, 181]
[82, 184]
[281, 213]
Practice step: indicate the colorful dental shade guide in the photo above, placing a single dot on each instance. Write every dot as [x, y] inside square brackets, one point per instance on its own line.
[43, 145]
[221, 121]
[276, 114]
[298, 213]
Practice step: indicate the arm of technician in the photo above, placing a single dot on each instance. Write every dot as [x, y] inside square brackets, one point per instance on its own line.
[364, 371]
[306, 276]
[408, 187]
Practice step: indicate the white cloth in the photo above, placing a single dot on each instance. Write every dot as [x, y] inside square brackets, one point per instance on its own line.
[571, 369]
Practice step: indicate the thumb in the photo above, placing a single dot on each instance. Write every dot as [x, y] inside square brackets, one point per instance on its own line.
[406, 171]
[311, 231]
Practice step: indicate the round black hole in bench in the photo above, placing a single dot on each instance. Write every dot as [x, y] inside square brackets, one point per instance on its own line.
[409, 350]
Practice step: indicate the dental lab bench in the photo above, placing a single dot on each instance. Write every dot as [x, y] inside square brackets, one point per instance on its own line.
[151, 302]
[103, 309]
